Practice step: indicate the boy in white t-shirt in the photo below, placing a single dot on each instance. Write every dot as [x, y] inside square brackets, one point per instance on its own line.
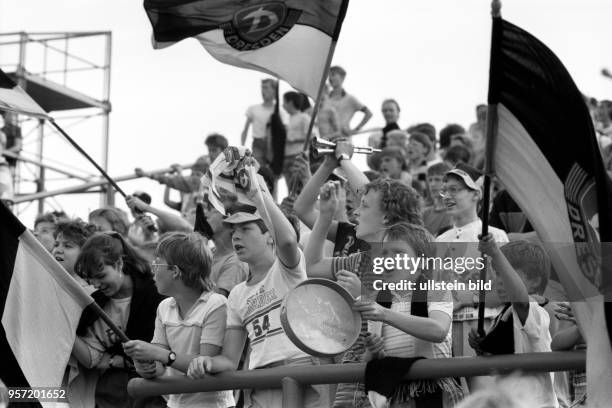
[521, 270]
[268, 244]
[258, 117]
[461, 191]
[189, 323]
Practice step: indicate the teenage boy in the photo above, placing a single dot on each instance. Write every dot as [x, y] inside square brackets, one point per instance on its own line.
[189, 323]
[45, 226]
[521, 271]
[419, 148]
[268, 244]
[258, 117]
[227, 270]
[435, 217]
[346, 105]
[461, 192]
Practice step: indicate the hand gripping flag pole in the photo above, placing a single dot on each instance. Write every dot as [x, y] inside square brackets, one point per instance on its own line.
[490, 137]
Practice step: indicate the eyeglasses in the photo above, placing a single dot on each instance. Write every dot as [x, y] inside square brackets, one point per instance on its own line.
[451, 191]
[155, 266]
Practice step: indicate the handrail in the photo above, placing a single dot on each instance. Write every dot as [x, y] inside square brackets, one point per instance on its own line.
[354, 372]
[80, 188]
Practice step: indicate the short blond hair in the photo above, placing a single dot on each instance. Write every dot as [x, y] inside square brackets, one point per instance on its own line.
[190, 252]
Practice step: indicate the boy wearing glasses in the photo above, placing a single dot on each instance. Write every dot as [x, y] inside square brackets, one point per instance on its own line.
[461, 191]
[189, 323]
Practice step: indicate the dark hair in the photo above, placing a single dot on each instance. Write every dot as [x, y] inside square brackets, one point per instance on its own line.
[142, 195]
[52, 217]
[423, 139]
[76, 231]
[531, 259]
[337, 69]
[398, 201]
[115, 217]
[191, 254]
[438, 168]
[305, 105]
[107, 248]
[426, 128]
[217, 140]
[447, 131]
[295, 98]
[458, 154]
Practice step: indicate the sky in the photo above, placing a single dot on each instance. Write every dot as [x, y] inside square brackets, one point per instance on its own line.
[432, 57]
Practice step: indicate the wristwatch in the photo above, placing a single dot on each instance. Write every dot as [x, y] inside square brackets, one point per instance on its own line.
[171, 358]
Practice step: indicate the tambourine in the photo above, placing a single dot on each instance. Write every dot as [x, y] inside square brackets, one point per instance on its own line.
[318, 317]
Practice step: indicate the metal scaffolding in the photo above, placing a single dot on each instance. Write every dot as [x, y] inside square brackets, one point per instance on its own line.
[68, 75]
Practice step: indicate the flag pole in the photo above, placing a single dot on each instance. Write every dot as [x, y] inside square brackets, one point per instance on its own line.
[491, 138]
[102, 315]
[330, 56]
[92, 161]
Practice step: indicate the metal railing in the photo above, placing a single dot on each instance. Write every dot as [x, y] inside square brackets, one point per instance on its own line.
[292, 379]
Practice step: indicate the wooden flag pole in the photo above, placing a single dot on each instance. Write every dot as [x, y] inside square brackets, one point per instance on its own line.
[330, 56]
[102, 315]
[491, 138]
[92, 161]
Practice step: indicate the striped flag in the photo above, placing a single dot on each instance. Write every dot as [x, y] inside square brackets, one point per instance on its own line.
[547, 156]
[288, 39]
[14, 99]
[40, 307]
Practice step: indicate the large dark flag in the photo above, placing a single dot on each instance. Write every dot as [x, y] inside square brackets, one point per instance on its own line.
[289, 39]
[14, 99]
[40, 307]
[547, 156]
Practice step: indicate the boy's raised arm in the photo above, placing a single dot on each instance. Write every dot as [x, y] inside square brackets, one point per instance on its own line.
[515, 288]
[304, 205]
[316, 264]
[284, 235]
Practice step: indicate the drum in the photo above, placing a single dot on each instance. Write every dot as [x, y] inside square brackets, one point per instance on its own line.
[317, 316]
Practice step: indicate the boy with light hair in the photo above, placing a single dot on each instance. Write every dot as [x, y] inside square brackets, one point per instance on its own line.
[266, 241]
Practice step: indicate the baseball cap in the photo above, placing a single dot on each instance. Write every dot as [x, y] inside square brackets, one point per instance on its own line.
[470, 176]
[240, 214]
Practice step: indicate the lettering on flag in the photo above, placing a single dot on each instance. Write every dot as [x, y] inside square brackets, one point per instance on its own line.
[258, 26]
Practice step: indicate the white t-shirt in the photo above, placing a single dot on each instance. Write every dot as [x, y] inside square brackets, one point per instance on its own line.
[259, 116]
[463, 242]
[256, 308]
[297, 129]
[400, 344]
[204, 323]
[534, 337]
[99, 336]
